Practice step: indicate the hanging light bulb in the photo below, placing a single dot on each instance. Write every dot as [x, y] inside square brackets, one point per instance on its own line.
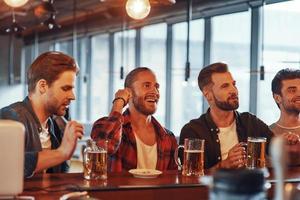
[15, 3]
[51, 23]
[138, 9]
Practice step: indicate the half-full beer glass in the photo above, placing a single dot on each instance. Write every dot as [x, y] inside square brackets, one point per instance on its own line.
[256, 152]
[95, 160]
[193, 157]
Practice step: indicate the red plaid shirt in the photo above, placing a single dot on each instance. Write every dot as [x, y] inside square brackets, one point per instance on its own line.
[122, 144]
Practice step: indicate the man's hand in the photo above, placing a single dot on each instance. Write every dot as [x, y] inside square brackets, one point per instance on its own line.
[236, 157]
[121, 99]
[73, 131]
[292, 138]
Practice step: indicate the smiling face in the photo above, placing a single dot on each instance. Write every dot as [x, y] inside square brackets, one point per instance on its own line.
[289, 100]
[60, 94]
[223, 93]
[145, 93]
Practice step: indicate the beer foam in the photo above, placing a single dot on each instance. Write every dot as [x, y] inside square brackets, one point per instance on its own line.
[98, 151]
[193, 151]
[256, 139]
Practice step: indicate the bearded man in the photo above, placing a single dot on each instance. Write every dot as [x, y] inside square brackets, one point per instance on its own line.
[51, 84]
[224, 130]
[286, 93]
[135, 138]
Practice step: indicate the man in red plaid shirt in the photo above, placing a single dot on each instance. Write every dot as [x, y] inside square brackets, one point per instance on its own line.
[136, 138]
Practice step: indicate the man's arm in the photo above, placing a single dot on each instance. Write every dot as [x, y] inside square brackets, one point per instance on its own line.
[111, 127]
[49, 158]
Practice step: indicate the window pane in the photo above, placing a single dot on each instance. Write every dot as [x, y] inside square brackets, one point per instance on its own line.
[81, 81]
[153, 55]
[281, 50]
[99, 76]
[231, 35]
[185, 94]
[128, 56]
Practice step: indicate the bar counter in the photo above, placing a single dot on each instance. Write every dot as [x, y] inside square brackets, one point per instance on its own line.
[123, 186]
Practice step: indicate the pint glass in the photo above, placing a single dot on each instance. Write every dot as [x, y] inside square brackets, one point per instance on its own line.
[193, 157]
[256, 152]
[95, 160]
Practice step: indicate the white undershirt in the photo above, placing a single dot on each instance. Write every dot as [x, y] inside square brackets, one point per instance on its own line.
[228, 138]
[146, 155]
[45, 137]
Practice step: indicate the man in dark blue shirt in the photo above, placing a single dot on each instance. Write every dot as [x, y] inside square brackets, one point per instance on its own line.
[51, 82]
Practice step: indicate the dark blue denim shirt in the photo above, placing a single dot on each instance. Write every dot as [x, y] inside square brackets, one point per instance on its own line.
[23, 112]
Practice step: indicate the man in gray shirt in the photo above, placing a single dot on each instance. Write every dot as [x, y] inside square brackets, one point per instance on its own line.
[286, 93]
[51, 82]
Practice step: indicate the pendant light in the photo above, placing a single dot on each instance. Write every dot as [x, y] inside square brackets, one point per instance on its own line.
[15, 3]
[138, 9]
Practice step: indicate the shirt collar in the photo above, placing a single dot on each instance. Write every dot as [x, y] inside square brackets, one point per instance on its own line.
[159, 130]
[211, 124]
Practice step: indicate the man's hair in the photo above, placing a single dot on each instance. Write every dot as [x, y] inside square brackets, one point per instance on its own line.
[49, 66]
[131, 76]
[284, 74]
[204, 77]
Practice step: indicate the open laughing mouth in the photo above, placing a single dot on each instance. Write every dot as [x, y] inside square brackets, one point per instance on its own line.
[151, 99]
[297, 101]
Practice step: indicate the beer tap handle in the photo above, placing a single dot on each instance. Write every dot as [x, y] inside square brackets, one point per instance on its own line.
[279, 164]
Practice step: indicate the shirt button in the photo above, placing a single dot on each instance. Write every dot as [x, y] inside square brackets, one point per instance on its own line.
[211, 129]
[219, 158]
[217, 129]
[218, 140]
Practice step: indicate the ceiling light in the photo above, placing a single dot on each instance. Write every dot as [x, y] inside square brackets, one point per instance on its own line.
[51, 22]
[44, 8]
[15, 28]
[15, 3]
[138, 9]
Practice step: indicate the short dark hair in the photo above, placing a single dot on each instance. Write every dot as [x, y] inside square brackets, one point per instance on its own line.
[284, 74]
[131, 76]
[49, 66]
[204, 77]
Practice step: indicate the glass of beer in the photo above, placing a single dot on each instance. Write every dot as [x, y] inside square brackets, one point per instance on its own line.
[256, 152]
[193, 157]
[95, 160]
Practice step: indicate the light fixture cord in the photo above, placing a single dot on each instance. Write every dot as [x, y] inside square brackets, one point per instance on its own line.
[187, 64]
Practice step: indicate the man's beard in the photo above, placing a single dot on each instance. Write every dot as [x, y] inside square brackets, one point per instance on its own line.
[54, 109]
[291, 108]
[227, 105]
[138, 103]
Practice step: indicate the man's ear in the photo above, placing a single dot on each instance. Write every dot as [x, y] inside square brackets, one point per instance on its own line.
[277, 98]
[41, 86]
[207, 93]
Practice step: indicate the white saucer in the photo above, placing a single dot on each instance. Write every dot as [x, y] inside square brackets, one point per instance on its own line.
[145, 173]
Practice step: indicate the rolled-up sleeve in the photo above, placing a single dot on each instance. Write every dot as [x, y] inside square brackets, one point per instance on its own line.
[109, 128]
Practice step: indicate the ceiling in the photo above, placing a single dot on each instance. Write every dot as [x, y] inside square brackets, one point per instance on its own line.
[103, 10]
[88, 14]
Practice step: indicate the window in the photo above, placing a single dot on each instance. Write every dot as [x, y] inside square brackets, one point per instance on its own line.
[231, 36]
[153, 55]
[281, 50]
[128, 56]
[99, 77]
[186, 96]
